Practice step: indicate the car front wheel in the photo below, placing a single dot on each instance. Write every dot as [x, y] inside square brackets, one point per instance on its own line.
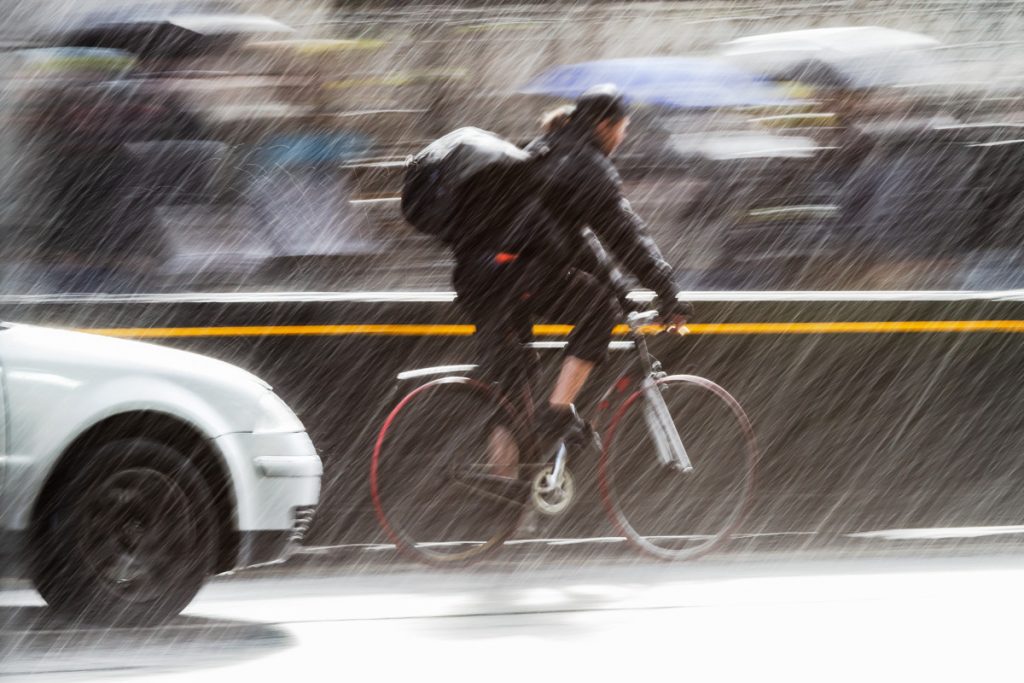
[129, 539]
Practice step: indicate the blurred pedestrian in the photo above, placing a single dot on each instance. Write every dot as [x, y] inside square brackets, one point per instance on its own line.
[101, 232]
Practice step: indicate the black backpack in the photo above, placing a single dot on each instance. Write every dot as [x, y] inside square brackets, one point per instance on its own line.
[465, 183]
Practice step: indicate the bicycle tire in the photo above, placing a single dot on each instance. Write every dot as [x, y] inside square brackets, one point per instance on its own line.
[429, 474]
[663, 512]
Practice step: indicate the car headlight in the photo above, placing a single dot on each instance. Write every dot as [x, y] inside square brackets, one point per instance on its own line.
[273, 416]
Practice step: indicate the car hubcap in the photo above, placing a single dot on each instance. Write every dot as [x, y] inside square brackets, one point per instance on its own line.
[137, 529]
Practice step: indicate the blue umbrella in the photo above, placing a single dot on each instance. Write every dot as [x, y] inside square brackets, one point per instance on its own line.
[676, 82]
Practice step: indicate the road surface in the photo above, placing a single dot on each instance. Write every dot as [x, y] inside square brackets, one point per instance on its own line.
[784, 616]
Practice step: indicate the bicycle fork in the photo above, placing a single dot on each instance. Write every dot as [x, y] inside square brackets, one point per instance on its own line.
[667, 443]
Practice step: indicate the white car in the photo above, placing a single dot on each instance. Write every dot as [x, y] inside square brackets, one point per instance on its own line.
[130, 472]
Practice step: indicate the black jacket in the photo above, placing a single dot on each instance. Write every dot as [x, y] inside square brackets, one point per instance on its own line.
[579, 187]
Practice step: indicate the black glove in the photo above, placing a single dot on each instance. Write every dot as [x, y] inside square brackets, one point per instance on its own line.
[673, 311]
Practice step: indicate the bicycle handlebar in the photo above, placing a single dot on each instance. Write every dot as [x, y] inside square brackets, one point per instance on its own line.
[637, 319]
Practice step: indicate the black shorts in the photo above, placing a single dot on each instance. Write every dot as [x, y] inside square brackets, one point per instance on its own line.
[504, 299]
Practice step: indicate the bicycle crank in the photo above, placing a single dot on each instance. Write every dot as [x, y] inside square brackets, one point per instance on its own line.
[551, 497]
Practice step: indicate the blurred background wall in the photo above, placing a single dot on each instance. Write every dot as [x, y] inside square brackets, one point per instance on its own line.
[310, 135]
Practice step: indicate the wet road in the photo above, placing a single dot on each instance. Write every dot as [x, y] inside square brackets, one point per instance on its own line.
[753, 617]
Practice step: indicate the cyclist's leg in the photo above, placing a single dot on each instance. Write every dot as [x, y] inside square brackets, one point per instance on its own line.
[496, 345]
[581, 300]
[503, 301]
[487, 294]
[502, 324]
[571, 378]
[591, 308]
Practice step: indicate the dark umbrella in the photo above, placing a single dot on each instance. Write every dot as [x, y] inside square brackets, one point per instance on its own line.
[165, 31]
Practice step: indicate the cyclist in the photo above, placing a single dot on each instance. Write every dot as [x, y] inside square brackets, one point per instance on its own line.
[547, 264]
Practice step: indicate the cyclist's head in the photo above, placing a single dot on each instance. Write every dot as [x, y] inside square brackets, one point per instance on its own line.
[602, 110]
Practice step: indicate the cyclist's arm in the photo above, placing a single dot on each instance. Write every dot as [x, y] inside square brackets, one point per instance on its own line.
[601, 264]
[623, 232]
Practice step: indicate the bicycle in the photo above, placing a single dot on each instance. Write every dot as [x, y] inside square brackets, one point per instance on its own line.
[676, 469]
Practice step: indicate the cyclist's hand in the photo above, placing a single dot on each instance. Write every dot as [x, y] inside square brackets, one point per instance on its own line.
[675, 314]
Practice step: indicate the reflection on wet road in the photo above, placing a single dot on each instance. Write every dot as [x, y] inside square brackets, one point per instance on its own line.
[729, 619]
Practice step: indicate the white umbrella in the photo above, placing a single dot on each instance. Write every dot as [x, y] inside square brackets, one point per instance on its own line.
[851, 56]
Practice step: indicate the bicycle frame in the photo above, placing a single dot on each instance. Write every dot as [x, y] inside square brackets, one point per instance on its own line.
[669, 447]
[668, 444]
[548, 486]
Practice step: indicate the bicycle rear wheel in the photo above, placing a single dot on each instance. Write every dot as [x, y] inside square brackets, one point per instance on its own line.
[662, 511]
[432, 476]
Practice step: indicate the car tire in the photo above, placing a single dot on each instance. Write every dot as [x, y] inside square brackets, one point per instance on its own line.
[129, 539]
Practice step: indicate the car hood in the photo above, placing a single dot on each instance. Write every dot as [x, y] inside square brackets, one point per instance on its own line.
[79, 355]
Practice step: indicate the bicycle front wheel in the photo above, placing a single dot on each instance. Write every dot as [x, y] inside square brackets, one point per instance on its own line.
[663, 511]
[440, 474]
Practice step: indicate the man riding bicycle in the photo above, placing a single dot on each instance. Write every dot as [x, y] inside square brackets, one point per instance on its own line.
[551, 267]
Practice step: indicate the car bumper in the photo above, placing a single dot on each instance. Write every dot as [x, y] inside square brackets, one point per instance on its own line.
[277, 484]
[262, 547]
